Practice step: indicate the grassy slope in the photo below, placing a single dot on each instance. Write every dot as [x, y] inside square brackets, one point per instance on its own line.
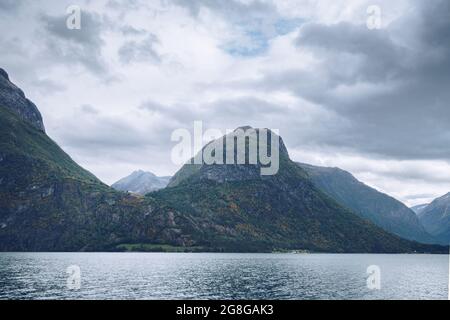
[48, 202]
[281, 212]
[20, 140]
[385, 211]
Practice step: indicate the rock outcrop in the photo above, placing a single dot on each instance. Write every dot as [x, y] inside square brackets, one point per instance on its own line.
[14, 99]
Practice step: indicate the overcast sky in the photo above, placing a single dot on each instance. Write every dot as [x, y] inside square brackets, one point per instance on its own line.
[373, 102]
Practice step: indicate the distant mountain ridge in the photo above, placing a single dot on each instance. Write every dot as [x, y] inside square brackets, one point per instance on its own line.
[435, 217]
[419, 208]
[383, 210]
[141, 182]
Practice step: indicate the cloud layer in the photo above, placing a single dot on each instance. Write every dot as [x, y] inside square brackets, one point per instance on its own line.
[374, 102]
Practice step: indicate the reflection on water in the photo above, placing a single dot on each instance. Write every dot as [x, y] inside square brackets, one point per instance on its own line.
[221, 276]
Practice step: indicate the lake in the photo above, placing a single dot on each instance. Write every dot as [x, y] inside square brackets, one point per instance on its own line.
[220, 276]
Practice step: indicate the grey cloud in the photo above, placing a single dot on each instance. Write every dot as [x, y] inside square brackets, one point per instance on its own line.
[88, 34]
[113, 135]
[245, 105]
[353, 52]
[434, 24]
[130, 30]
[420, 196]
[140, 51]
[154, 107]
[255, 21]
[14, 56]
[412, 172]
[8, 6]
[392, 98]
[124, 4]
[75, 46]
[47, 85]
[87, 108]
[106, 134]
[108, 143]
[217, 113]
[232, 9]
[16, 60]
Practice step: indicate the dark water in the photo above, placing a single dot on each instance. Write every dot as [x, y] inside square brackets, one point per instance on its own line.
[221, 276]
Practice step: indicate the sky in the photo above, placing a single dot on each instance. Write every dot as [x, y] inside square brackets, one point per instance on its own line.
[373, 101]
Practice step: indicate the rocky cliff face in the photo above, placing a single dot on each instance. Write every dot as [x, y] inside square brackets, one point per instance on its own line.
[14, 99]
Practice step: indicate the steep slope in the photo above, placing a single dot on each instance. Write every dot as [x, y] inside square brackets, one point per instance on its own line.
[48, 202]
[141, 182]
[419, 208]
[383, 210]
[13, 98]
[436, 218]
[235, 205]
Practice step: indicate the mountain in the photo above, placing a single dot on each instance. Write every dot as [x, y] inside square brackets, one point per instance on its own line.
[419, 208]
[383, 210]
[436, 218]
[13, 98]
[49, 203]
[235, 205]
[141, 182]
